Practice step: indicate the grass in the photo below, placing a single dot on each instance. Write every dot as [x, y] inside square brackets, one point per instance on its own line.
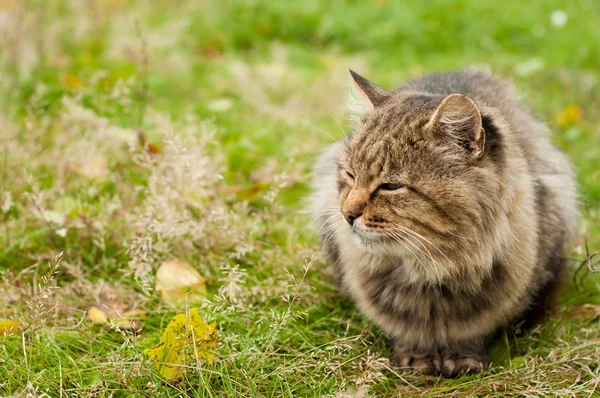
[236, 96]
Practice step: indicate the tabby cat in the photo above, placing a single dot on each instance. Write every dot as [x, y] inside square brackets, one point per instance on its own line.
[445, 214]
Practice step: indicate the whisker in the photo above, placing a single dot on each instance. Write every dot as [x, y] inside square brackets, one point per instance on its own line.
[321, 130]
[328, 237]
[329, 228]
[398, 238]
[319, 214]
[326, 221]
[429, 255]
[395, 236]
[333, 117]
[419, 236]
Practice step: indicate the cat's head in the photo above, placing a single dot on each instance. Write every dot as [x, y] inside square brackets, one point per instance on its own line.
[418, 173]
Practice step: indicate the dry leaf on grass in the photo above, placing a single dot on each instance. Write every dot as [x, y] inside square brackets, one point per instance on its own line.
[148, 146]
[244, 192]
[569, 116]
[72, 82]
[176, 279]
[185, 342]
[116, 314]
[589, 312]
[8, 327]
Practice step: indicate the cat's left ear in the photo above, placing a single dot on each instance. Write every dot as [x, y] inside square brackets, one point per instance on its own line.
[364, 96]
[459, 117]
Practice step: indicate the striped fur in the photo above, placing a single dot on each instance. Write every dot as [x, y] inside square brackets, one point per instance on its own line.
[461, 211]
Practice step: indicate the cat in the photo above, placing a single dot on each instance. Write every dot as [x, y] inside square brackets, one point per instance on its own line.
[445, 214]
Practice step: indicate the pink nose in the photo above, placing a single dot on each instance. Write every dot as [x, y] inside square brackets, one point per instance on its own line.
[351, 215]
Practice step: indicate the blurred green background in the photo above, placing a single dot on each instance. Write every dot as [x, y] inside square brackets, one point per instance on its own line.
[270, 79]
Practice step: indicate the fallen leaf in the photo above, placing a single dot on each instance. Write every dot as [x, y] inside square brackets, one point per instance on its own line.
[147, 145]
[176, 279]
[569, 116]
[153, 148]
[185, 341]
[589, 312]
[72, 82]
[6, 4]
[116, 314]
[210, 52]
[244, 192]
[96, 315]
[8, 327]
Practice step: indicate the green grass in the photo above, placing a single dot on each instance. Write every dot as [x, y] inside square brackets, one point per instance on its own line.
[250, 85]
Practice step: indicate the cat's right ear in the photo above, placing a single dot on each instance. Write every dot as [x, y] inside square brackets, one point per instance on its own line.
[458, 117]
[363, 96]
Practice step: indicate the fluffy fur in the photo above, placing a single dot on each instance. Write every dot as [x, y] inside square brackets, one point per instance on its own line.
[445, 214]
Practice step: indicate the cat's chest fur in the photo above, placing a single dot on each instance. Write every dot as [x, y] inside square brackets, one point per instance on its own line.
[425, 315]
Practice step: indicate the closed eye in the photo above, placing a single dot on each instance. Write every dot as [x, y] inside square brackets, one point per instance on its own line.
[350, 175]
[390, 187]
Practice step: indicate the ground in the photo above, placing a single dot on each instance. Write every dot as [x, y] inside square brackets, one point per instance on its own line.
[134, 132]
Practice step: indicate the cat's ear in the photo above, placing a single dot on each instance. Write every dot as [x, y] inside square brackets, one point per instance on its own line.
[364, 96]
[459, 117]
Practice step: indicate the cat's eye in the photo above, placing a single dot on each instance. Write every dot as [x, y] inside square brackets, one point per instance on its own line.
[390, 187]
[350, 175]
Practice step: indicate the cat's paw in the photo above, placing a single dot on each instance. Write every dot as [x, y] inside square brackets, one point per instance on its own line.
[428, 364]
[456, 364]
[448, 364]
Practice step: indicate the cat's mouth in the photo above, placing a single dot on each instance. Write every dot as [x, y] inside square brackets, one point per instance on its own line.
[369, 239]
[381, 243]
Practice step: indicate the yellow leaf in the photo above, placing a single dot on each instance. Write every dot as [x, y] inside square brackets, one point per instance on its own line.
[244, 193]
[8, 327]
[153, 149]
[176, 279]
[72, 82]
[116, 314]
[96, 315]
[149, 147]
[6, 5]
[185, 342]
[569, 116]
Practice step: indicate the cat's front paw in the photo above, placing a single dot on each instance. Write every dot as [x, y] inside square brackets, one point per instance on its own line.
[448, 364]
[456, 364]
[428, 364]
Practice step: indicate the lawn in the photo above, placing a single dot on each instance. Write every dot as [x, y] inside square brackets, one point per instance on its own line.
[137, 132]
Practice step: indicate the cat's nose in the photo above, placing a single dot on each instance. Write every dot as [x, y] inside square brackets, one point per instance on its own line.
[351, 215]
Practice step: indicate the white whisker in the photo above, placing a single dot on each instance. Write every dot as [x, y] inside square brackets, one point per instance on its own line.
[321, 130]
[333, 117]
[397, 237]
[419, 236]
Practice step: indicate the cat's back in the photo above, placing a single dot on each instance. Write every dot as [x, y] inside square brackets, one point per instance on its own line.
[477, 84]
